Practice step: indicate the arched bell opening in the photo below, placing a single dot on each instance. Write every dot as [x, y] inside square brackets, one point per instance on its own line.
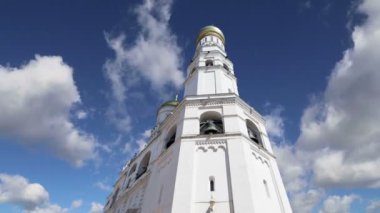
[211, 123]
[143, 167]
[253, 133]
[170, 139]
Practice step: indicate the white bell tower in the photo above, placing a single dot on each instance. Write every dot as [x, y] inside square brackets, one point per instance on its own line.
[210, 72]
[208, 153]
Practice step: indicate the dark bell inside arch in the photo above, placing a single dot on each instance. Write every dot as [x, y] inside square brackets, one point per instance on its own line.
[253, 136]
[211, 127]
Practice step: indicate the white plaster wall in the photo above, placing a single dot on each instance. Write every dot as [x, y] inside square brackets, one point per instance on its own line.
[211, 162]
[183, 183]
[259, 170]
[160, 189]
[206, 83]
[190, 122]
[191, 85]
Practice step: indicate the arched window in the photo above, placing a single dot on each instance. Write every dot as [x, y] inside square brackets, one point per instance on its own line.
[209, 63]
[171, 137]
[211, 123]
[143, 165]
[133, 169]
[254, 133]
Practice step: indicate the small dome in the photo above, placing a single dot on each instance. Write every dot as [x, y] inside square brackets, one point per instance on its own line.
[173, 103]
[165, 110]
[210, 30]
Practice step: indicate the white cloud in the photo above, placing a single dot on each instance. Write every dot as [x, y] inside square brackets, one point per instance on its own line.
[35, 108]
[128, 148]
[292, 167]
[338, 204]
[138, 144]
[338, 145]
[103, 186]
[76, 204]
[81, 114]
[48, 208]
[306, 201]
[17, 190]
[275, 123]
[341, 130]
[31, 197]
[154, 57]
[96, 207]
[143, 140]
[373, 206]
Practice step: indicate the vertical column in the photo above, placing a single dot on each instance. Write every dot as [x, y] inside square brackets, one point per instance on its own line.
[182, 198]
[240, 182]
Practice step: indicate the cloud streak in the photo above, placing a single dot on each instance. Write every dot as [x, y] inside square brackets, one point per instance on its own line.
[154, 57]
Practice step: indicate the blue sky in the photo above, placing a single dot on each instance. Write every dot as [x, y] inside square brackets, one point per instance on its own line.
[80, 82]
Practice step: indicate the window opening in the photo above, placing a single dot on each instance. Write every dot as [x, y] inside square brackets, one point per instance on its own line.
[253, 136]
[253, 133]
[209, 63]
[170, 141]
[211, 123]
[212, 185]
[143, 165]
[211, 127]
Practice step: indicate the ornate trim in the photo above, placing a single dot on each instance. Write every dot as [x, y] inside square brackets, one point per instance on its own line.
[211, 101]
[260, 158]
[212, 145]
[210, 142]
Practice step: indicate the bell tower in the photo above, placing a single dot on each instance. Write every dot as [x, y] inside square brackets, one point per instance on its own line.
[208, 153]
[210, 72]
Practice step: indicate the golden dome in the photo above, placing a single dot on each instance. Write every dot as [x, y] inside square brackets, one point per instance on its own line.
[210, 30]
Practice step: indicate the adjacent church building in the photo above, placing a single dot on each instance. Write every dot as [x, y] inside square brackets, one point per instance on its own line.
[208, 153]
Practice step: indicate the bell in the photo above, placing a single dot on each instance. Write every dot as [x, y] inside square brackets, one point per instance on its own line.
[209, 127]
[253, 136]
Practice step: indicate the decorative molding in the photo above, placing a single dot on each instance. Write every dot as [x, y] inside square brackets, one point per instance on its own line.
[213, 145]
[211, 101]
[210, 142]
[260, 158]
